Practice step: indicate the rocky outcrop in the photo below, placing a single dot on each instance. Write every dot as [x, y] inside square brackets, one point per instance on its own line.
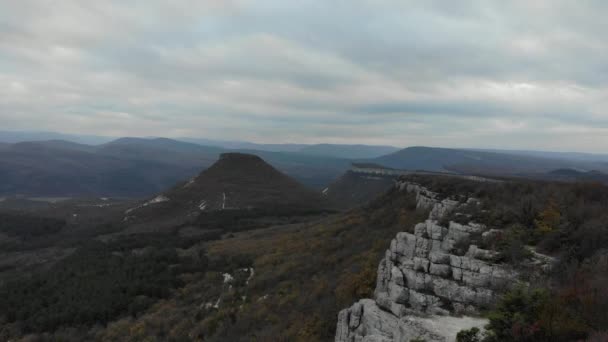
[421, 274]
[365, 321]
[365, 318]
[427, 276]
[428, 200]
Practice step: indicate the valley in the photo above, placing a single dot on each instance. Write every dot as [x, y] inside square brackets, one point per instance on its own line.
[242, 252]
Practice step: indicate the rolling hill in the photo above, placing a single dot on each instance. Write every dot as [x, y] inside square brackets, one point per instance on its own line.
[477, 162]
[348, 151]
[52, 169]
[575, 175]
[22, 136]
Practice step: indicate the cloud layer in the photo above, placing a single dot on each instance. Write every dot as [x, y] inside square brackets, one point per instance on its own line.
[495, 74]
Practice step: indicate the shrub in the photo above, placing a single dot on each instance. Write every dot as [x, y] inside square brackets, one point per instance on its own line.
[516, 316]
[525, 314]
[548, 219]
[471, 335]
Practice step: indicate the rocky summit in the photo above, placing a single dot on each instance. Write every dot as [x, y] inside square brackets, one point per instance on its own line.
[429, 280]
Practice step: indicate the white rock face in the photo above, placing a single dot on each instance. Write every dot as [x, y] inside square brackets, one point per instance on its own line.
[189, 183]
[428, 200]
[157, 199]
[228, 278]
[366, 322]
[421, 275]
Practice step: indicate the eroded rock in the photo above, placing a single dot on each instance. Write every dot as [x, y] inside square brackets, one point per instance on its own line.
[421, 275]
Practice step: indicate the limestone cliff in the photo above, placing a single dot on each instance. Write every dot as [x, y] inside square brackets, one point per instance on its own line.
[427, 277]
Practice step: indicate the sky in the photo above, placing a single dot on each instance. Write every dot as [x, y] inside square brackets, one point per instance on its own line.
[485, 74]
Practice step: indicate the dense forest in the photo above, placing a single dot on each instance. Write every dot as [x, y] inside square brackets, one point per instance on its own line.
[98, 283]
[25, 226]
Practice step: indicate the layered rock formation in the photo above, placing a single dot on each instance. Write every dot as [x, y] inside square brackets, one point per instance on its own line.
[425, 277]
[367, 322]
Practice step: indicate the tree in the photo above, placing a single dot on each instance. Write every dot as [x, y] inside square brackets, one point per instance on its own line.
[548, 219]
[516, 316]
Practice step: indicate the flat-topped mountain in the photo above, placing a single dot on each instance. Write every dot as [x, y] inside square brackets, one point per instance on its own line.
[235, 181]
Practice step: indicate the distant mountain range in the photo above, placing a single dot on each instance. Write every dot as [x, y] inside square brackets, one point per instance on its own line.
[139, 167]
[245, 145]
[22, 136]
[348, 151]
[58, 168]
[326, 150]
[592, 157]
[498, 163]
[575, 175]
[133, 167]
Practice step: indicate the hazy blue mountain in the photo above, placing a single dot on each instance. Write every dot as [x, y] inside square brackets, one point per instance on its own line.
[576, 175]
[133, 166]
[163, 143]
[313, 171]
[143, 166]
[426, 158]
[21, 136]
[327, 150]
[37, 169]
[125, 167]
[348, 151]
[161, 150]
[59, 145]
[478, 162]
[553, 155]
[244, 145]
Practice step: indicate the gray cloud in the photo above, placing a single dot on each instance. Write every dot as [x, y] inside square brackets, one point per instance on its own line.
[517, 74]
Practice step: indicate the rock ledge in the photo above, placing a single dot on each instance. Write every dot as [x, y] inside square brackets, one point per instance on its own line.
[424, 279]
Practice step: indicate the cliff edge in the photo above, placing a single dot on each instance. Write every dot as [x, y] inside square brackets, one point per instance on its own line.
[430, 284]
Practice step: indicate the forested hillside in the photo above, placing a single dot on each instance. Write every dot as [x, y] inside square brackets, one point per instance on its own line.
[283, 280]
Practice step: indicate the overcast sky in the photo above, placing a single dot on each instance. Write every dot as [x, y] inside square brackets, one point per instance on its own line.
[489, 74]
